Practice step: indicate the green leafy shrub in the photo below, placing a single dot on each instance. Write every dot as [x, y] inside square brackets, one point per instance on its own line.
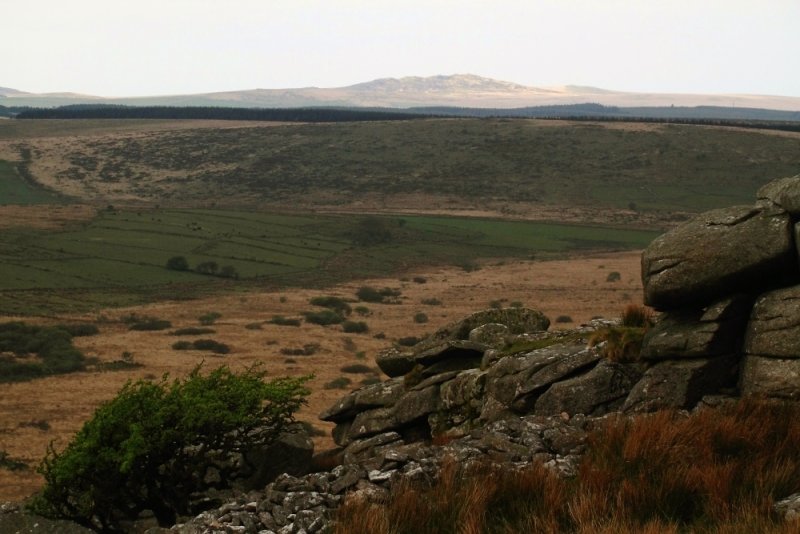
[363, 311]
[208, 318]
[145, 449]
[177, 263]
[148, 324]
[336, 304]
[324, 317]
[280, 320]
[355, 327]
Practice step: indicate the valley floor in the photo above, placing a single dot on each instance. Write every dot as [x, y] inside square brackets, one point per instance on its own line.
[32, 414]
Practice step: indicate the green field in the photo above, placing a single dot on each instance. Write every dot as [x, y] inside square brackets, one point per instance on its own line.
[15, 190]
[119, 257]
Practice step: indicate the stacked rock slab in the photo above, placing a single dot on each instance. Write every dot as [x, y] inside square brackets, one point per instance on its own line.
[493, 365]
[729, 284]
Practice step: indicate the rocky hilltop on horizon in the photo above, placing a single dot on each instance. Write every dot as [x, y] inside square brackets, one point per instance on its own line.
[458, 90]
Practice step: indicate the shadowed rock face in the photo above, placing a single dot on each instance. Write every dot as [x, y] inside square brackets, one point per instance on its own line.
[698, 333]
[693, 273]
[722, 251]
[774, 329]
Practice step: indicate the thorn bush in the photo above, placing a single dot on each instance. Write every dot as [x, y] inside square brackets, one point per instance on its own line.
[144, 449]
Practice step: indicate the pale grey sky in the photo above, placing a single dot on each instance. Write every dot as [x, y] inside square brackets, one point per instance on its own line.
[148, 47]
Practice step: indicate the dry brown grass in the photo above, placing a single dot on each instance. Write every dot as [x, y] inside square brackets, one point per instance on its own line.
[714, 471]
[575, 286]
[44, 217]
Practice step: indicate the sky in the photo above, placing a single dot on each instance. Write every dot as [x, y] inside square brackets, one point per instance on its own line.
[159, 47]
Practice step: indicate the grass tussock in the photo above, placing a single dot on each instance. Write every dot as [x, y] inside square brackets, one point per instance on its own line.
[634, 315]
[715, 471]
[624, 343]
[620, 343]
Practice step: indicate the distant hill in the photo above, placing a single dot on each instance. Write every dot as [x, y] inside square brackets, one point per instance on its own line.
[7, 91]
[459, 90]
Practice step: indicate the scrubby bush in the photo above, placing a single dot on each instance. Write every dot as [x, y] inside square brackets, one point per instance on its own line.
[431, 302]
[469, 266]
[280, 320]
[148, 324]
[336, 304]
[420, 318]
[613, 276]
[563, 319]
[147, 448]
[6, 462]
[324, 317]
[192, 331]
[177, 263]
[209, 344]
[306, 350]
[420, 280]
[363, 311]
[52, 346]
[356, 368]
[372, 230]
[202, 344]
[371, 294]
[207, 267]
[209, 318]
[355, 327]
[338, 383]
[80, 329]
[229, 271]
